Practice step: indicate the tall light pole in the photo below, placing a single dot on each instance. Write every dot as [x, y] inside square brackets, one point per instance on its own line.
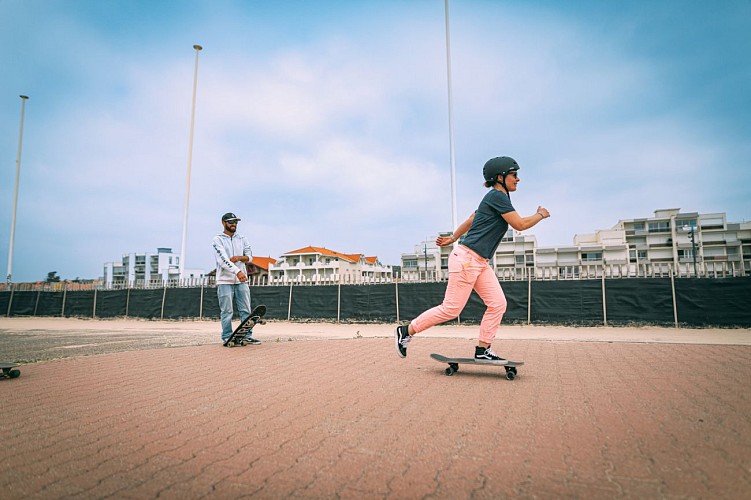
[15, 195]
[451, 123]
[197, 48]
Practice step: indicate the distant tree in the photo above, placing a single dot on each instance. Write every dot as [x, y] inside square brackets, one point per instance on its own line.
[52, 277]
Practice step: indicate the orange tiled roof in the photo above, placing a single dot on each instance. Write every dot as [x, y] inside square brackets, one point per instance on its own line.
[355, 257]
[263, 262]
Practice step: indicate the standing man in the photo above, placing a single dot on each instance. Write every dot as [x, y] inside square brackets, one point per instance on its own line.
[231, 280]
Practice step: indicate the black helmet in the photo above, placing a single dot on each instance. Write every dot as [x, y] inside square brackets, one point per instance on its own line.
[500, 165]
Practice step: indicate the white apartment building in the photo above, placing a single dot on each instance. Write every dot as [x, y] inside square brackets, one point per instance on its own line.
[147, 269]
[657, 245]
[321, 265]
[428, 261]
[693, 243]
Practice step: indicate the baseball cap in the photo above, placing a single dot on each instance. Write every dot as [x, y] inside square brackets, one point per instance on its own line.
[230, 216]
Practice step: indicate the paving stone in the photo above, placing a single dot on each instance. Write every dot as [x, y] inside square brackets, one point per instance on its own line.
[348, 418]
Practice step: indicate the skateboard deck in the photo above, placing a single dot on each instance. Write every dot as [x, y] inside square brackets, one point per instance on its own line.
[238, 336]
[509, 366]
[8, 371]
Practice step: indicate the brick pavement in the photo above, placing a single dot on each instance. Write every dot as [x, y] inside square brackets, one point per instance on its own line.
[348, 418]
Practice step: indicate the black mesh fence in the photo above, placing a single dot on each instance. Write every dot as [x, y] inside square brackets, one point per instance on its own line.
[655, 301]
[726, 303]
[640, 301]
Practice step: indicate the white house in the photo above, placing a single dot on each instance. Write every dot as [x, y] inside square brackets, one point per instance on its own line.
[318, 265]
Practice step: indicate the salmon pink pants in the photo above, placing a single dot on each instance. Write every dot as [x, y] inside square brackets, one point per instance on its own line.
[468, 271]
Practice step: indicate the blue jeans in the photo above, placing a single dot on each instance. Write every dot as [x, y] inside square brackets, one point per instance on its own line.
[240, 294]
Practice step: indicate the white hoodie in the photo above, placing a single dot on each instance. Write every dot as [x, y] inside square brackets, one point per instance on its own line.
[224, 248]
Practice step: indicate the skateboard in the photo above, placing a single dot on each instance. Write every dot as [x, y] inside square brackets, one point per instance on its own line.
[8, 371]
[238, 336]
[453, 363]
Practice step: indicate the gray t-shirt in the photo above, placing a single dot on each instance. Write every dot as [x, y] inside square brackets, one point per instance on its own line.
[489, 226]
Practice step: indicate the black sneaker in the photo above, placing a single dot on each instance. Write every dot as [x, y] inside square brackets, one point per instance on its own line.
[402, 337]
[252, 341]
[486, 354]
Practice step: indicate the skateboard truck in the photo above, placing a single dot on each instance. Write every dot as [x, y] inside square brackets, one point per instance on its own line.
[8, 370]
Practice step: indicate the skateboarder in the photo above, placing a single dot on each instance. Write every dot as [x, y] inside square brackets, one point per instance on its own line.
[468, 262]
[231, 280]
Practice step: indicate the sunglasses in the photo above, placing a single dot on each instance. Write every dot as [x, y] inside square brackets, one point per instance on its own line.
[231, 222]
[514, 174]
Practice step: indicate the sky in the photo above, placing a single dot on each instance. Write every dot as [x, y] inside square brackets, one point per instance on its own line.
[326, 123]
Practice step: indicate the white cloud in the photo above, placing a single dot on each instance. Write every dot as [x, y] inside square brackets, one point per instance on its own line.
[340, 138]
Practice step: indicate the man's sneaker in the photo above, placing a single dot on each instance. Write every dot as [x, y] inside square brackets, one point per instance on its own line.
[401, 335]
[252, 341]
[486, 354]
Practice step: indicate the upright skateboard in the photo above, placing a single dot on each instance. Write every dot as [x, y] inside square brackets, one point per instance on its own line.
[453, 363]
[238, 336]
[8, 371]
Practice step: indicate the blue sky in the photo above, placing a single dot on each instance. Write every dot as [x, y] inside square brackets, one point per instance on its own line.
[325, 122]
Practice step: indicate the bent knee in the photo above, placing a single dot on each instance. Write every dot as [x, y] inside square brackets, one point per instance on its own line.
[451, 311]
[498, 305]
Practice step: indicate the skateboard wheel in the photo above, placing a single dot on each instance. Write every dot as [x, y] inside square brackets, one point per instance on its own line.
[512, 369]
[510, 375]
[450, 371]
[244, 343]
[15, 373]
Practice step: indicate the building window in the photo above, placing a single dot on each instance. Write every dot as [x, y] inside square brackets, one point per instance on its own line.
[687, 253]
[410, 263]
[642, 254]
[591, 256]
[659, 227]
[638, 226]
[681, 223]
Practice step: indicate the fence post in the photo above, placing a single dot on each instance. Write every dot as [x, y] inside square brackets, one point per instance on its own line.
[10, 301]
[127, 302]
[65, 296]
[675, 303]
[93, 313]
[36, 305]
[529, 299]
[604, 303]
[396, 283]
[338, 302]
[164, 297]
[200, 305]
[289, 303]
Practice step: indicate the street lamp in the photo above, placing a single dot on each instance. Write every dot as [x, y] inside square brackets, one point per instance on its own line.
[692, 237]
[15, 195]
[197, 48]
[451, 124]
